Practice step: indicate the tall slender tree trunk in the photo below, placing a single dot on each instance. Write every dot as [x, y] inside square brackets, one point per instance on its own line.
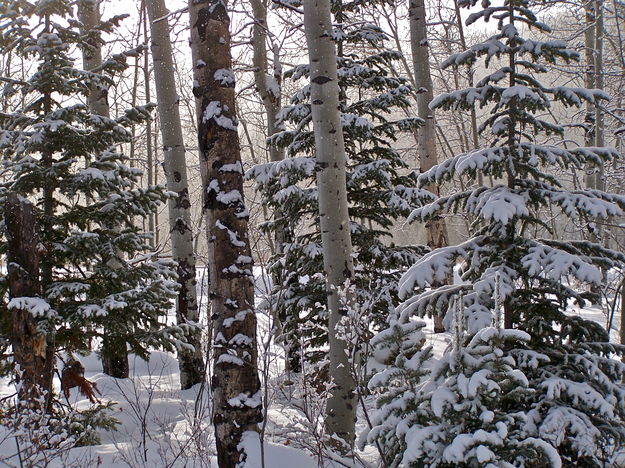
[48, 212]
[133, 103]
[114, 351]
[28, 343]
[333, 208]
[89, 15]
[589, 75]
[463, 43]
[435, 228]
[599, 114]
[512, 154]
[268, 86]
[190, 362]
[236, 385]
[594, 121]
[269, 89]
[622, 323]
[149, 146]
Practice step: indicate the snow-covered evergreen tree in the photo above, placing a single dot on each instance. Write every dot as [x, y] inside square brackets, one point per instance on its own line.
[97, 269]
[505, 398]
[400, 351]
[377, 184]
[499, 241]
[571, 396]
[469, 411]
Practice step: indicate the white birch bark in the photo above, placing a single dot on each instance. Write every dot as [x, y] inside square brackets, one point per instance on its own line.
[435, 228]
[190, 362]
[333, 207]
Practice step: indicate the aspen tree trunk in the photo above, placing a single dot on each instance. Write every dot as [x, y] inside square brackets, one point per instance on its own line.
[599, 115]
[29, 345]
[593, 37]
[236, 386]
[268, 86]
[190, 362]
[149, 146]
[133, 103]
[599, 176]
[435, 228]
[114, 352]
[89, 15]
[622, 325]
[589, 78]
[463, 44]
[333, 207]
[269, 89]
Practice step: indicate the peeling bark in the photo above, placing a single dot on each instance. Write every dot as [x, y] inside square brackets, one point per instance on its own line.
[236, 386]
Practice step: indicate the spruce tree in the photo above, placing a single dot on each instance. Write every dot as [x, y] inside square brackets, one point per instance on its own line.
[399, 350]
[377, 186]
[574, 401]
[469, 410]
[97, 270]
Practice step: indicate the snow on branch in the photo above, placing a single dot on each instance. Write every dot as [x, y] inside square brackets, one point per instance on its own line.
[577, 96]
[542, 260]
[263, 173]
[435, 266]
[500, 204]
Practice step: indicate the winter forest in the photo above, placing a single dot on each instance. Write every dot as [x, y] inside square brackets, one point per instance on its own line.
[312, 233]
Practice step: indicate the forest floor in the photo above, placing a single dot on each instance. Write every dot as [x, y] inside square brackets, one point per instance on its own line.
[162, 426]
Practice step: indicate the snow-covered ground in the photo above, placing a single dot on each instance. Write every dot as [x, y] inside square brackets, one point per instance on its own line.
[161, 426]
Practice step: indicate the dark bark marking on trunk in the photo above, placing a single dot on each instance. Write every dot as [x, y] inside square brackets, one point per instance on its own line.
[231, 292]
[182, 200]
[320, 80]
